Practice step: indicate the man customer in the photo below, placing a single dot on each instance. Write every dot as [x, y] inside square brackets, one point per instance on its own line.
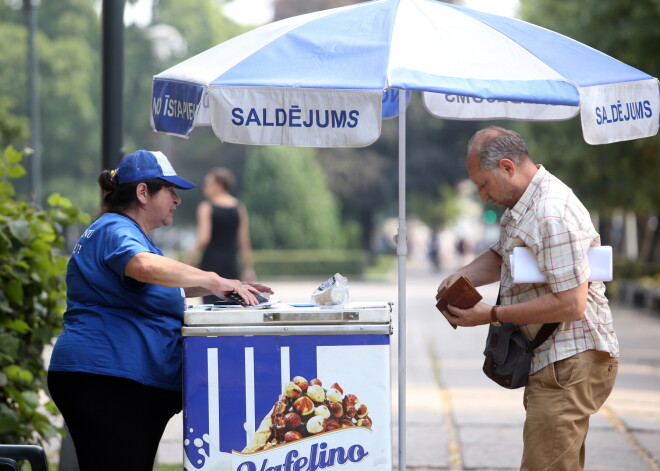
[573, 372]
[116, 370]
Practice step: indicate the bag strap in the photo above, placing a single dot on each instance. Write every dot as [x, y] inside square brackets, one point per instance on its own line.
[541, 336]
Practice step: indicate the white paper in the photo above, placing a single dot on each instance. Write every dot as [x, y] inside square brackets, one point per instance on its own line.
[525, 270]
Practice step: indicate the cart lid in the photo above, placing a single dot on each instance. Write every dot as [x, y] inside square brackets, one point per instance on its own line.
[289, 314]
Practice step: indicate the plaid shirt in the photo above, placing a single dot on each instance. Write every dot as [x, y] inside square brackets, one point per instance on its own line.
[550, 220]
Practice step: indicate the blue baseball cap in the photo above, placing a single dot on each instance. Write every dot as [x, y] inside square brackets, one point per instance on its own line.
[144, 165]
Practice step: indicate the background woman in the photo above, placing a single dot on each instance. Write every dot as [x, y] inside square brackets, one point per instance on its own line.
[222, 230]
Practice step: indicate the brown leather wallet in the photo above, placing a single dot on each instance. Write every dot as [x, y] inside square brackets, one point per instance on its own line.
[461, 293]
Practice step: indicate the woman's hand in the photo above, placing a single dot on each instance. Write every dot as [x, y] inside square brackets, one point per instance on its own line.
[261, 288]
[244, 290]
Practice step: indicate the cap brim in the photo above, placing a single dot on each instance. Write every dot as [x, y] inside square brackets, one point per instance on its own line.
[179, 182]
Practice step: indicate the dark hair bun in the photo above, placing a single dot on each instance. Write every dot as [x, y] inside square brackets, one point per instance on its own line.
[108, 180]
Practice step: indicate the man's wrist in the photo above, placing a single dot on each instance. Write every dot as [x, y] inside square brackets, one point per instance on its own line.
[493, 316]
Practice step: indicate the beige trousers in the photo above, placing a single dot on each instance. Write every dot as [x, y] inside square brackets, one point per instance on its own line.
[559, 400]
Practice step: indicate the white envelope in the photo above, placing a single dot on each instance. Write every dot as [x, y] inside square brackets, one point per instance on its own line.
[525, 270]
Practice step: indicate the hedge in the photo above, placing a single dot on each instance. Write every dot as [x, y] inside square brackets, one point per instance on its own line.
[301, 263]
[32, 265]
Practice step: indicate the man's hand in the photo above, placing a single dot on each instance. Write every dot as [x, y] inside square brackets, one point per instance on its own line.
[477, 315]
[447, 282]
[483, 270]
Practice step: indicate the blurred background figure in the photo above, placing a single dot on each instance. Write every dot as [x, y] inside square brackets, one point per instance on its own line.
[434, 250]
[222, 231]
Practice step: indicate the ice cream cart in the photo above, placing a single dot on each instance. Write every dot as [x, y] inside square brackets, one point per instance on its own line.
[287, 387]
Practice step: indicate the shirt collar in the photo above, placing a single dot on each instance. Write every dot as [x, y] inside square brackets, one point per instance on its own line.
[525, 201]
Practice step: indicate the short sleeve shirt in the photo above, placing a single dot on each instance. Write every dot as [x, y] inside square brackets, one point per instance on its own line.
[115, 325]
[551, 221]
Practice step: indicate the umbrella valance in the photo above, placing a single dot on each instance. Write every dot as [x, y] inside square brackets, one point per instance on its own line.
[319, 79]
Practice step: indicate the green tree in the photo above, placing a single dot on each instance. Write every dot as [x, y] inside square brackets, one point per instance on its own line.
[364, 184]
[178, 30]
[200, 22]
[32, 267]
[12, 129]
[67, 41]
[365, 180]
[288, 8]
[609, 177]
[436, 211]
[68, 47]
[289, 202]
[606, 177]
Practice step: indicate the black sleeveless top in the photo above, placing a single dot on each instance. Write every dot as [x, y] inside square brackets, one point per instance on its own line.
[221, 253]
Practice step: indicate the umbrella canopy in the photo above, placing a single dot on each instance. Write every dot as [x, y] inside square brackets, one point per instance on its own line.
[322, 79]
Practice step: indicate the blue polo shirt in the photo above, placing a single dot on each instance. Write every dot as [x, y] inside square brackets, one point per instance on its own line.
[115, 325]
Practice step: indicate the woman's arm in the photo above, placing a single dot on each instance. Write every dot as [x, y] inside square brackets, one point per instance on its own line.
[245, 244]
[148, 267]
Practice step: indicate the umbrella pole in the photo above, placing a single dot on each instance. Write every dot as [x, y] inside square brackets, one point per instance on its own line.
[402, 251]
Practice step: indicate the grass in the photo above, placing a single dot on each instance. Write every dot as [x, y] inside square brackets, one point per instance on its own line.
[169, 467]
[381, 270]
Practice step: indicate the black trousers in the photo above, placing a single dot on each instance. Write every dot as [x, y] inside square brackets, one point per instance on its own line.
[115, 423]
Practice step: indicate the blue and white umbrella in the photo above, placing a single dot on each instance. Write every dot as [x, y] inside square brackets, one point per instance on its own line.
[319, 80]
[326, 79]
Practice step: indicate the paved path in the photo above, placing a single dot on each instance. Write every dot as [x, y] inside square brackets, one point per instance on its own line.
[457, 420]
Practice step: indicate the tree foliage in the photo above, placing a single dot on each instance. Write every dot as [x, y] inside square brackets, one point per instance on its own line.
[365, 180]
[200, 22]
[32, 267]
[439, 211]
[288, 8]
[289, 202]
[609, 176]
[67, 43]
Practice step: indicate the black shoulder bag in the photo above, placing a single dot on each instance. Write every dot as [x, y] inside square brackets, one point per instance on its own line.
[509, 353]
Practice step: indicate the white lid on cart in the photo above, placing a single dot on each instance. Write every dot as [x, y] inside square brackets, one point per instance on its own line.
[287, 314]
